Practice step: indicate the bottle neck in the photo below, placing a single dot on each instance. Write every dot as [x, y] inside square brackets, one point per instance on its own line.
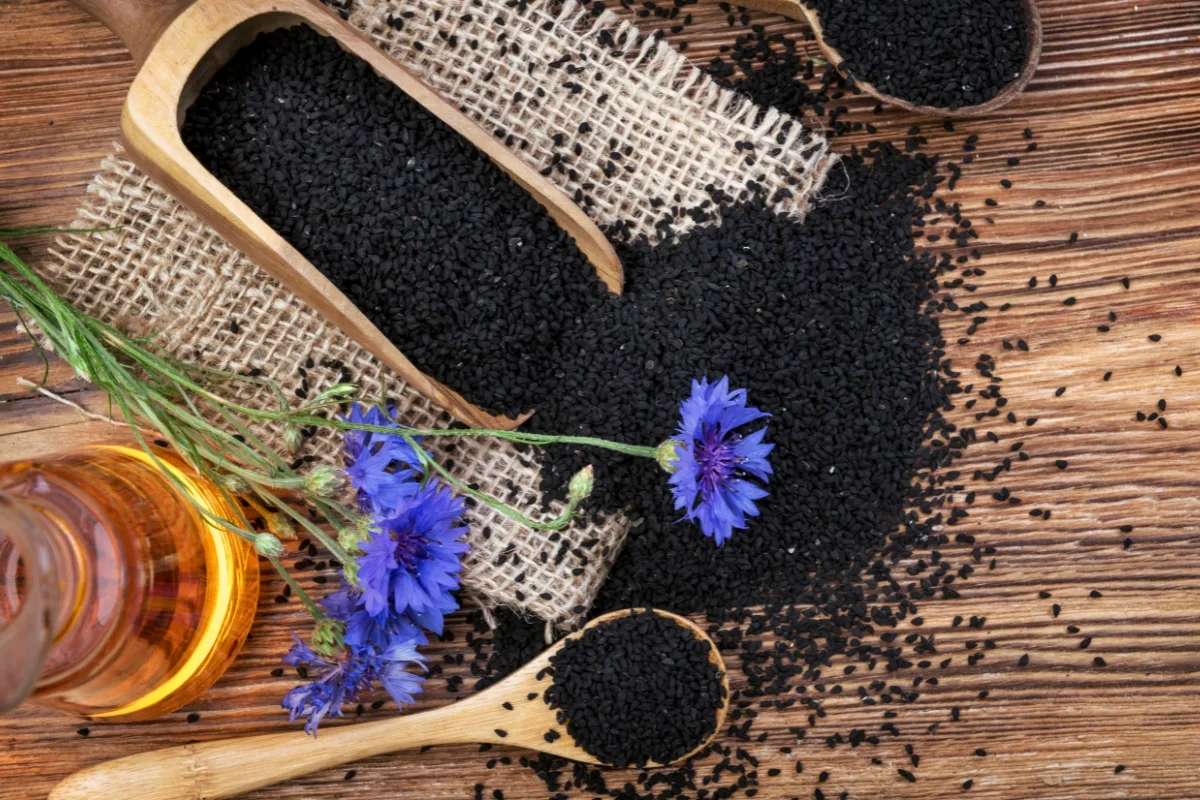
[40, 583]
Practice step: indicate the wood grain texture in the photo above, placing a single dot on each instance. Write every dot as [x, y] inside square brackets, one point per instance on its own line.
[1116, 110]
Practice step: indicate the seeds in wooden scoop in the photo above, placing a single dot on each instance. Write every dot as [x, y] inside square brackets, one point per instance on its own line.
[944, 53]
[453, 261]
[637, 689]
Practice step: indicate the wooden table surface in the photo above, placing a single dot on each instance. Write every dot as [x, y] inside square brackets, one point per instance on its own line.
[1116, 111]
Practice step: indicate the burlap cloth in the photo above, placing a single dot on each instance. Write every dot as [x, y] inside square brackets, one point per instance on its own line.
[165, 272]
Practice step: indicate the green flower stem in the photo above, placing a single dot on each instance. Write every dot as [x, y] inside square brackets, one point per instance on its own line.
[521, 437]
[556, 524]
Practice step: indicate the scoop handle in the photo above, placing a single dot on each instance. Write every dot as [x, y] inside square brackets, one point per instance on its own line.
[229, 767]
[137, 23]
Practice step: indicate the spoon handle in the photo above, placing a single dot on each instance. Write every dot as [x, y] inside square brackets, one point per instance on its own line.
[229, 767]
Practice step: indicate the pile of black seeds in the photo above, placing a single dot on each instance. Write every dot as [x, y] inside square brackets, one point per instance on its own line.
[824, 323]
[453, 261]
[944, 53]
[636, 689]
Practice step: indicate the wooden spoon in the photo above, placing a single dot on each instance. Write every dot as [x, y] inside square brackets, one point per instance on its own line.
[229, 767]
[180, 44]
[796, 9]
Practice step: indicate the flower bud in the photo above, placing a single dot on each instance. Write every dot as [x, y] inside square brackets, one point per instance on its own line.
[667, 455]
[581, 484]
[281, 525]
[234, 484]
[329, 636]
[350, 573]
[325, 481]
[292, 438]
[269, 546]
[358, 531]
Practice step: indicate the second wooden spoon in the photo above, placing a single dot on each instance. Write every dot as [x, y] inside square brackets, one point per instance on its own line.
[229, 767]
[797, 9]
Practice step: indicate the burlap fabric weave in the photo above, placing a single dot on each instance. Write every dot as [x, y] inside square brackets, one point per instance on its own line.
[525, 74]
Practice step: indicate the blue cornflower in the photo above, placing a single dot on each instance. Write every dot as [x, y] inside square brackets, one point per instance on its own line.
[342, 680]
[709, 461]
[411, 561]
[363, 629]
[384, 468]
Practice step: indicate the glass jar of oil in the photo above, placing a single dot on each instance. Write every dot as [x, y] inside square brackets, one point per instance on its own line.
[118, 599]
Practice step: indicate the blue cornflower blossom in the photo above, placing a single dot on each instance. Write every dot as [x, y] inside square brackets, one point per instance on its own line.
[710, 461]
[384, 468]
[411, 560]
[340, 681]
[406, 575]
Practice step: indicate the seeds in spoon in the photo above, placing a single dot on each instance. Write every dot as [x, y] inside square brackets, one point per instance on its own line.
[637, 689]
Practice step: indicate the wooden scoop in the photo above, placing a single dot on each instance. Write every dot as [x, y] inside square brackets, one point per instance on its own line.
[180, 44]
[224, 768]
[796, 9]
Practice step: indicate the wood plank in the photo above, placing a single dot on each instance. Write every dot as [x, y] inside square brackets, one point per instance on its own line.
[1116, 110]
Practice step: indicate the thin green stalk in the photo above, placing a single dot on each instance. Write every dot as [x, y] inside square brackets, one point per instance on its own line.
[556, 524]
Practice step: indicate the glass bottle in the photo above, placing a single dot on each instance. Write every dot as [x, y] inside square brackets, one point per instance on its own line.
[117, 598]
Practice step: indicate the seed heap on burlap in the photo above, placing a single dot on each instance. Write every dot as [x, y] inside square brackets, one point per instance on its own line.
[165, 272]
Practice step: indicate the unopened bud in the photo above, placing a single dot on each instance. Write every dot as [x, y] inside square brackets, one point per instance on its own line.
[581, 484]
[281, 525]
[234, 484]
[269, 546]
[350, 573]
[667, 455]
[358, 531]
[329, 636]
[292, 438]
[325, 481]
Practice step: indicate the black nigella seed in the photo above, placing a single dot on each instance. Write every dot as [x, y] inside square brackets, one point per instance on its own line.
[967, 784]
[350, 773]
[83, 732]
[1118, 769]
[193, 718]
[636, 689]
[1061, 463]
[1023, 661]
[1155, 337]
[1070, 301]
[1099, 662]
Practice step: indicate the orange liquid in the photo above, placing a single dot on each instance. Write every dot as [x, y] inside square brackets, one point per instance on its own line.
[155, 602]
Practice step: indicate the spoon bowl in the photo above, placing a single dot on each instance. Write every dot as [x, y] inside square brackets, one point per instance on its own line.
[512, 712]
[796, 9]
